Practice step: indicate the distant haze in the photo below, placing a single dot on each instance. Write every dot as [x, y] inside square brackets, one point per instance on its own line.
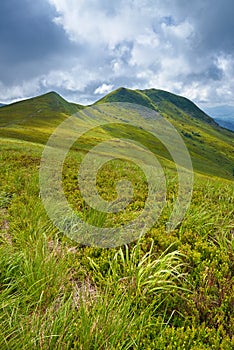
[223, 115]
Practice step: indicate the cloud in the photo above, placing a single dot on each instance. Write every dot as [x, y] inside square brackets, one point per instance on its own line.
[103, 89]
[173, 45]
[85, 48]
[100, 22]
[30, 42]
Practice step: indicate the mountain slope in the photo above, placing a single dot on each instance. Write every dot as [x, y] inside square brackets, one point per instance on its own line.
[35, 118]
[40, 107]
[56, 290]
[158, 100]
[210, 146]
[225, 123]
[182, 103]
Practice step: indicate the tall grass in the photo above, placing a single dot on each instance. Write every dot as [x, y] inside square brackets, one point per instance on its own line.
[41, 309]
[142, 274]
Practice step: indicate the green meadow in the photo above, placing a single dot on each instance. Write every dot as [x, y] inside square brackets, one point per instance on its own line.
[167, 290]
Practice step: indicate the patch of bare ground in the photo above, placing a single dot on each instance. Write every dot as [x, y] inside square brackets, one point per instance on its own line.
[58, 250]
[83, 291]
[4, 227]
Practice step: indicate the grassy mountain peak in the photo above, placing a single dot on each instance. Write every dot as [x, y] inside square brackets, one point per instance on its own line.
[50, 101]
[127, 95]
[159, 100]
[29, 118]
[183, 103]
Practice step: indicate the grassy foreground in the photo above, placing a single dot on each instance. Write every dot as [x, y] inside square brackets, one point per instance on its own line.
[167, 291]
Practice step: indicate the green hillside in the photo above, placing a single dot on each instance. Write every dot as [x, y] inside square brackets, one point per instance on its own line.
[153, 98]
[182, 103]
[210, 146]
[35, 118]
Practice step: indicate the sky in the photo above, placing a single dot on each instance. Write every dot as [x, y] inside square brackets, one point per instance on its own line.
[83, 49]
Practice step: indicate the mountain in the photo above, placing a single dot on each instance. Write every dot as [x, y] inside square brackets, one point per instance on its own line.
[158, 100]
[210, 146]
[165, 100]
[223, 115]
[41, 106]
[225, 123]
[1, 104]
[59, 286]
[37, 116]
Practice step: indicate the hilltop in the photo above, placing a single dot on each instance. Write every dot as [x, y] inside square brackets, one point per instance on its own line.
[158, 100]
[35, 118]
[41, 107]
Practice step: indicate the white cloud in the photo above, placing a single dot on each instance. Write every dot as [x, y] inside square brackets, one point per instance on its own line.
[74, 79]
[95, 21]
[181, 31]
[19, 91]
[145, 50]
[103, 89]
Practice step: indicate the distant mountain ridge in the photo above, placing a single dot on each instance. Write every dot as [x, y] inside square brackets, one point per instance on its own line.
[223, 115]
[159, 100]
[225, 123]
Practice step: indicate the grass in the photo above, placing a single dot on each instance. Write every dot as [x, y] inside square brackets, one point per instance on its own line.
[165, 291]
[168, 291]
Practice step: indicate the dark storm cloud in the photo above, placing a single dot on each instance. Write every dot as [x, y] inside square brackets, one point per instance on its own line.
[31, 43]
[212, 21]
